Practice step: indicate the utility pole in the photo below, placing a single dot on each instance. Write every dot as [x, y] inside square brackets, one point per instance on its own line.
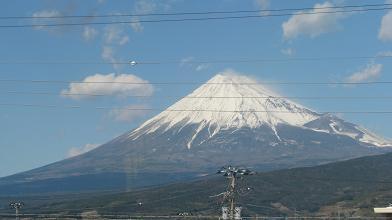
[232, 173]
[16, 206]
[232, 191]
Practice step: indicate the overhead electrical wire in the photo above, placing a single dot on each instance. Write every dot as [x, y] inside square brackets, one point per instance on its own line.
[195, 97]
[182, 110]
[211, 61]
[359, 8]
[193, 13]
[191, 19]
[191, 83]
[52, 216]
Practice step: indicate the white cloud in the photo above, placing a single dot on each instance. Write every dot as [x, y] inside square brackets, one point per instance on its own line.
[287, 51]
[128, 113]
[142, 7]
[115, 34]
[263, 5]
[186, 60]
[43, 17]
[89, 33]
[201, 67]
[46, 13]
[108, 56]
[370, 72]
[136, 25]
[312, 24]
[46, 16]
[123, 40]
[114, 85]
[189, 62]
[146, 7]
[385, 32]
[75, 151]
[385, 53]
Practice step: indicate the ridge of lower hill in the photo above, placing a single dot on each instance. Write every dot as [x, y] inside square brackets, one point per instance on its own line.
[347, 188]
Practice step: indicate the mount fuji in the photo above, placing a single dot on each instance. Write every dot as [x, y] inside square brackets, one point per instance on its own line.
[231, 119]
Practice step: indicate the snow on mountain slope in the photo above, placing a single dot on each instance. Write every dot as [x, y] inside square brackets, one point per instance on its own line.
[228, 101]
[331, 124]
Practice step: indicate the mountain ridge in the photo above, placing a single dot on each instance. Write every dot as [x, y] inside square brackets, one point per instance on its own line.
[354, 187]
[256, 129]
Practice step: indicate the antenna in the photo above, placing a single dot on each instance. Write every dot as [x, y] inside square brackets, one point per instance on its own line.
[232, 173]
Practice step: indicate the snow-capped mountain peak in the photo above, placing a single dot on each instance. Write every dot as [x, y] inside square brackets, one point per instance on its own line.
[227, 101]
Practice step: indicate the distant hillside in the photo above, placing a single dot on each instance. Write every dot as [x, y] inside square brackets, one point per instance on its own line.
[350, 187]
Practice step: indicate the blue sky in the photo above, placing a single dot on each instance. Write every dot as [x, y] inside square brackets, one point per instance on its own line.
[32, 137]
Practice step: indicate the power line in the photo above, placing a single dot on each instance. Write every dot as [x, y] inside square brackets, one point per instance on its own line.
[198, 97]
[239, 60]
[193, 13]
[192, 19]
[192, 83]
[260, 60]
[183, 110]
[110, 216]
[126, 216]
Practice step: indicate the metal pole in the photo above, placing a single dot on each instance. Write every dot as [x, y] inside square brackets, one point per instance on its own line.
[16, 206]
[16, 212]
[232, 190]
[231, 173]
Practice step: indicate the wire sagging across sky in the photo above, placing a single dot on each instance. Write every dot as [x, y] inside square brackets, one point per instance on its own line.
[357, 8]
[200, 97]
[202, 61]
[180, 110]
[195, 13]
[191, 83]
